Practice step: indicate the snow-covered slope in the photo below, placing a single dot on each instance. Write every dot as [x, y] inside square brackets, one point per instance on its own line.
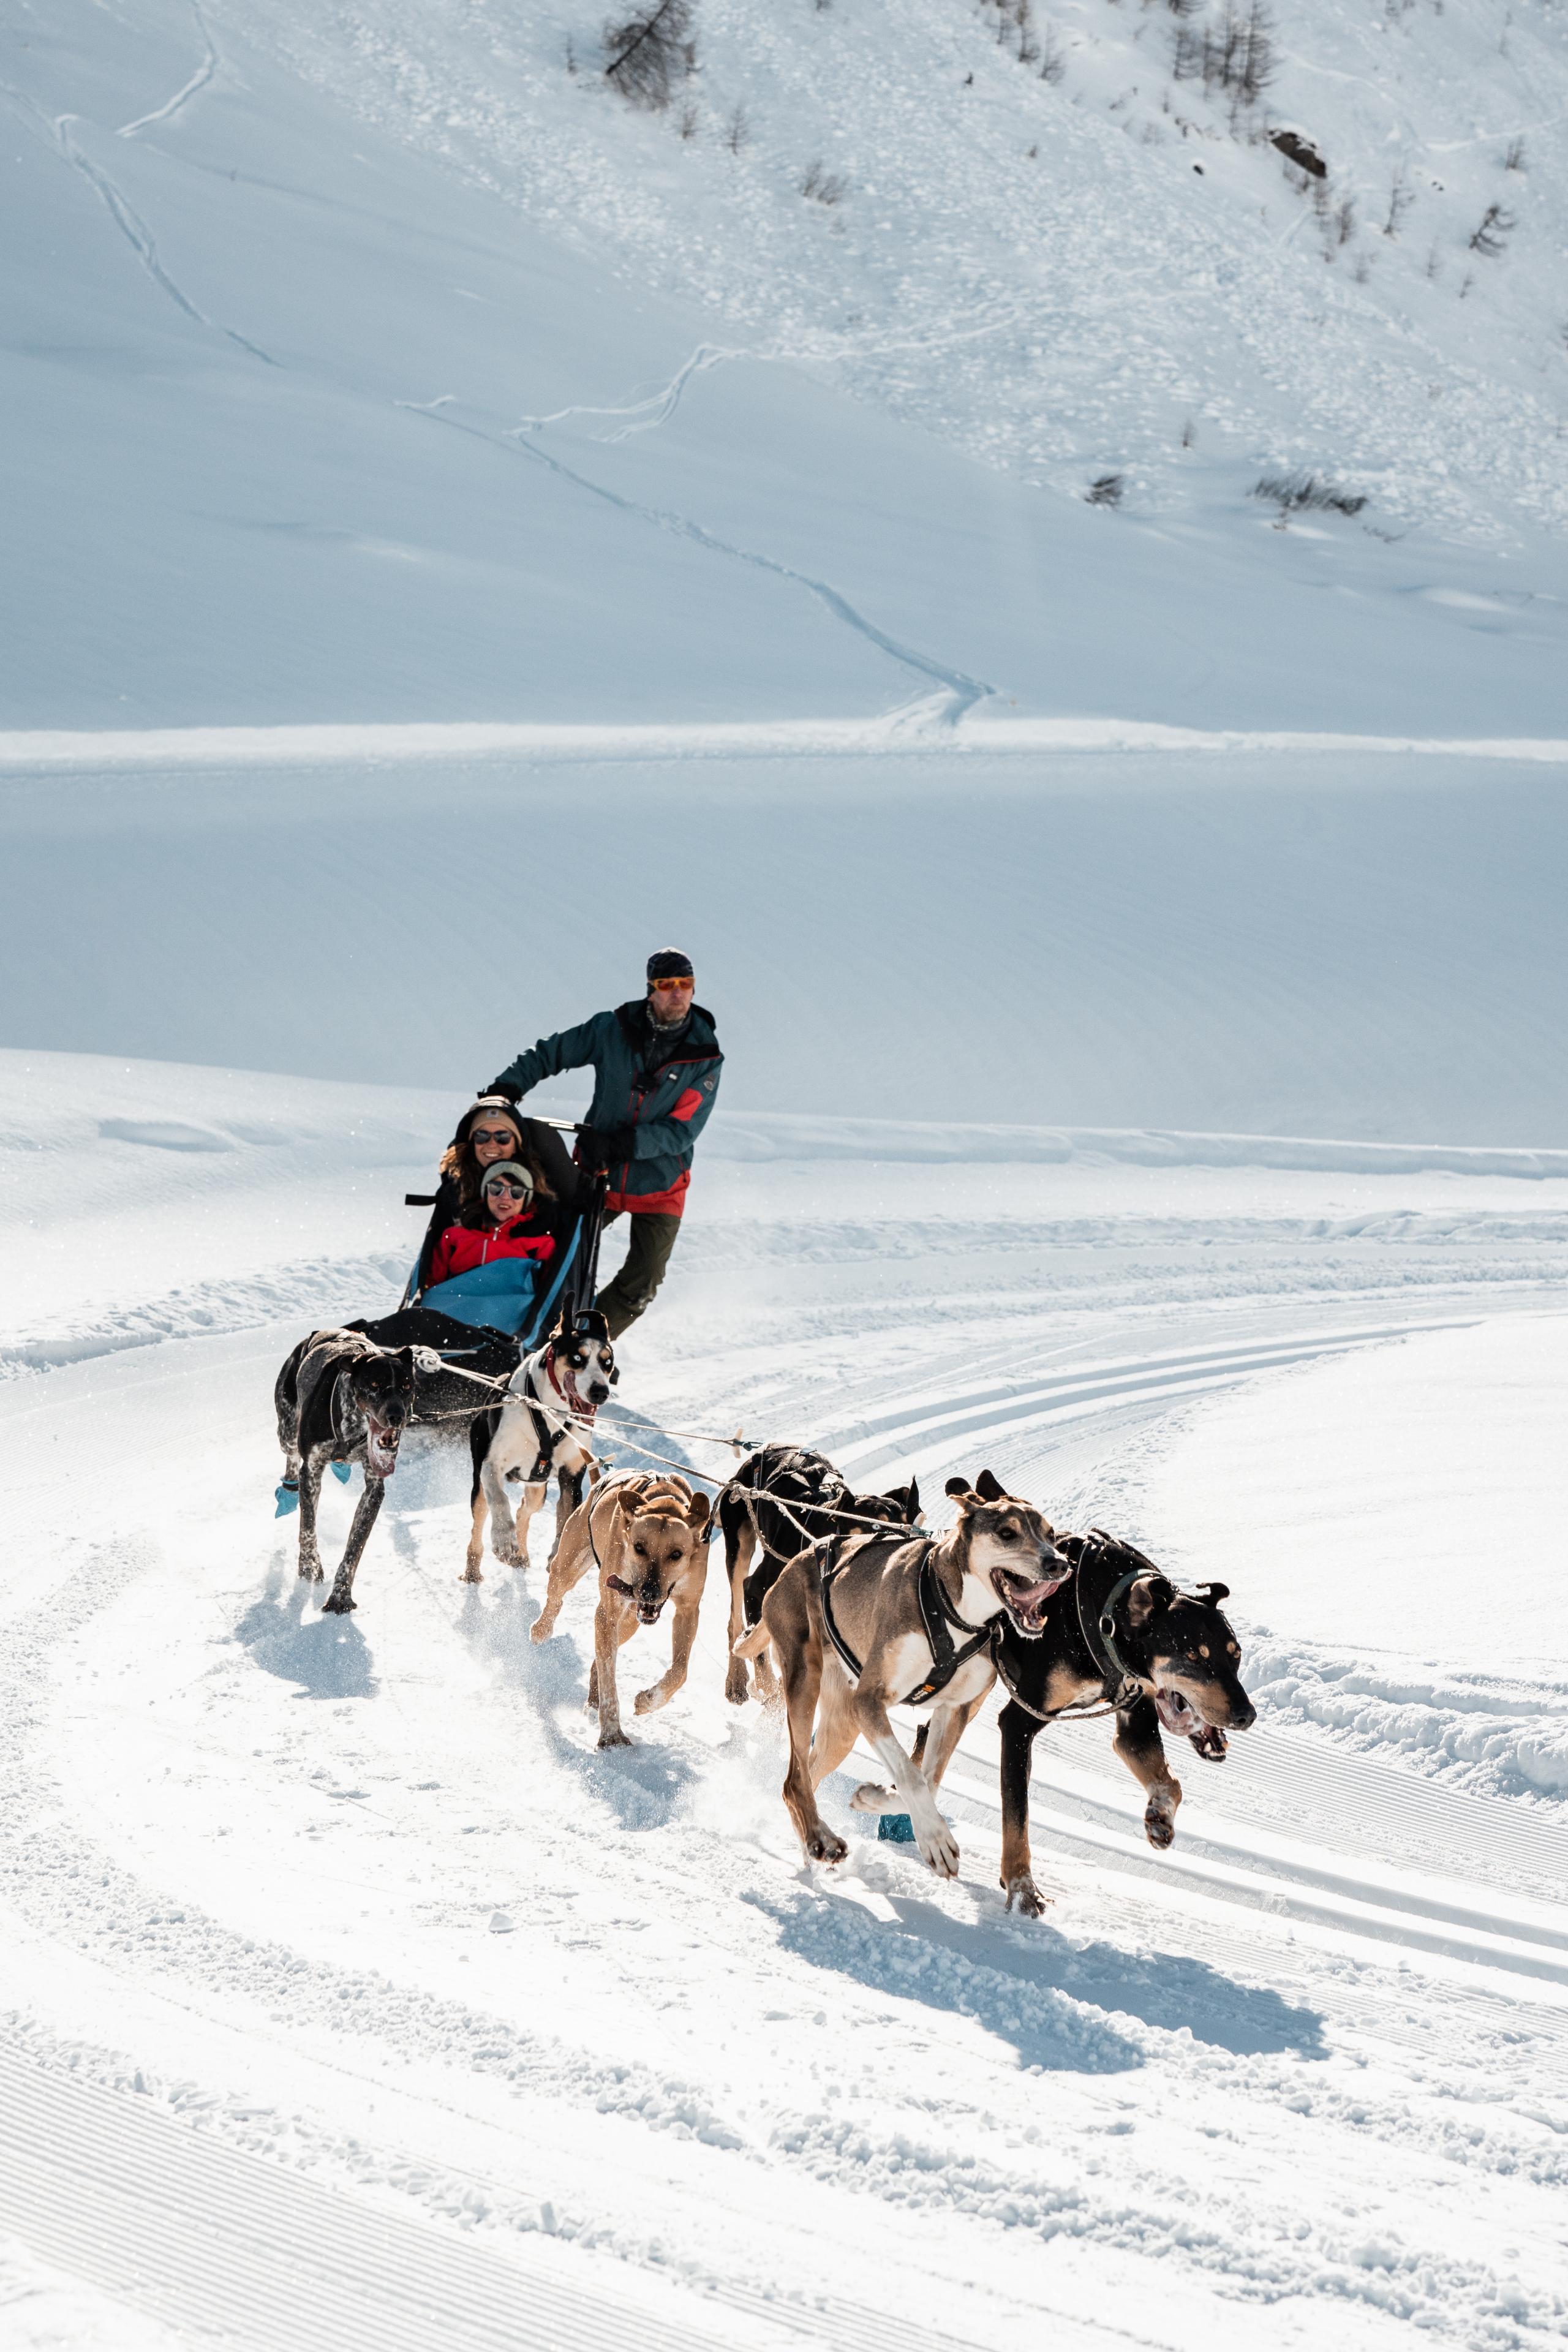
[441, 385]
[1066, 272]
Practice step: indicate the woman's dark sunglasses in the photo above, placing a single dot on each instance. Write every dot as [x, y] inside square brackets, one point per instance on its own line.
[493, 1135]
[509, 1184]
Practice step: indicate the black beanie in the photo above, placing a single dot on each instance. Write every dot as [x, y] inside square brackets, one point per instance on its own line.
[669, 963]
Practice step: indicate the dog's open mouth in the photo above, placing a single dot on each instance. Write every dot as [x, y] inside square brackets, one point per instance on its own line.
[381, 1442]
[649, 1600]
[1024, 1602]
[1177, 1712]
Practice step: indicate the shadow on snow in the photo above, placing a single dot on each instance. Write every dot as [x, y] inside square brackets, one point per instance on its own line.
[328, 1657]
[643, 1785]
[1052, 1999]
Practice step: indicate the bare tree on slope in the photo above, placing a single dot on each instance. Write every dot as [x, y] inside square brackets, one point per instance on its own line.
[650, 52]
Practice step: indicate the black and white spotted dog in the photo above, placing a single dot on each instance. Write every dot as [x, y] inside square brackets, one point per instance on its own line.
[342, 1399]
[542, 1428]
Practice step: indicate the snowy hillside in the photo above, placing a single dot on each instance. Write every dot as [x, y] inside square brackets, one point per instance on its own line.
[371, 365]
[1040, 231]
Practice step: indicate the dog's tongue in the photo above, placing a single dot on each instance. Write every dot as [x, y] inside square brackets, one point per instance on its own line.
[1034, 1596]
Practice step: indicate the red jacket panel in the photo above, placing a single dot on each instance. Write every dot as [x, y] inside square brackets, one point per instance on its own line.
[463, 1247]
[668, 1203]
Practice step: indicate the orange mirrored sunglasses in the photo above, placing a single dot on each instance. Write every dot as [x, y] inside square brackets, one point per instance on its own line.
[686, 980]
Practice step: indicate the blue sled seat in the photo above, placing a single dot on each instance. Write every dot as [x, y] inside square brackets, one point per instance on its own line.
[505, 1296]
[497, 1297]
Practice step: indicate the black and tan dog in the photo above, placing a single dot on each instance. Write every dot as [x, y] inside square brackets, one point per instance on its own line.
[1121, 1633]
[874, 1627]
[648, 1537]
[341, 1398]
[540, 1429]
[779, 1503]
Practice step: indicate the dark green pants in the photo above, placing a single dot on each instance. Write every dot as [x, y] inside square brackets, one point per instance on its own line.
[623, 1301]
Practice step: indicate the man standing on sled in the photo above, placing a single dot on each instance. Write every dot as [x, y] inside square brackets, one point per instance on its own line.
[658, 1064]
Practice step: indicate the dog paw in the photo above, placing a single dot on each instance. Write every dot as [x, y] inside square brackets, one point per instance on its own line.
[939, 1850]
[614, 1739]
[312, 1571]
[869, 1799]
[1023, 1892]
[649, 1701]
[1160, 1823]
[472, 1574]
[736, 1688]
[1210, 1743]
[509, 1555]
[540, 1631]
[823, 1845]
[338, 1604]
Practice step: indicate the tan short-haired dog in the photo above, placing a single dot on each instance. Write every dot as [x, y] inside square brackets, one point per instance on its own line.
[647, 1536]
[889, 1623]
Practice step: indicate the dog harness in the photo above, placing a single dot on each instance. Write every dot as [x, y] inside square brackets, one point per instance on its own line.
[1114, 1669]
[937, 1613]
[1121, 1684]
[544, 1437]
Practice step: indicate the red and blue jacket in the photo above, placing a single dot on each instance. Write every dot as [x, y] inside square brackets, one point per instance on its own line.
[463, 1247]
[661, 1093]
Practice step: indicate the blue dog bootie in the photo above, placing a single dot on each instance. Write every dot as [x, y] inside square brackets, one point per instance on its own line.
[288, 1497]
[343, 1470]
[897, 1828]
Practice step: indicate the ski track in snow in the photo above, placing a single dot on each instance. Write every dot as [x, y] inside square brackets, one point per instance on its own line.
[962, 692]
[187, 91]
[56, 130]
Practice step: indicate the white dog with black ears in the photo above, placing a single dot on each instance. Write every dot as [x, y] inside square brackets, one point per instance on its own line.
[540, 1429]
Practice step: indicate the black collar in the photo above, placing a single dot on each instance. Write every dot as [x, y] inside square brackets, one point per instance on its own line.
[1097, 1626]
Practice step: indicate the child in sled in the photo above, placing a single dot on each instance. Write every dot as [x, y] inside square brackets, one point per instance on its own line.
[509, 1218]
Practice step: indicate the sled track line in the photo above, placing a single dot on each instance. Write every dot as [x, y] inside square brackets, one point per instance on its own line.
[1299, 1829]
[200, 2234]
[911, 1432]
[105, 2186]
[1219, 1861]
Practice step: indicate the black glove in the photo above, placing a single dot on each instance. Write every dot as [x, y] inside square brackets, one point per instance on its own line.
[599, 1148]
[503, 1086]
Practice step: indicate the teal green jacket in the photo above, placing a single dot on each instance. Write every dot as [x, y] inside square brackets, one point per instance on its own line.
[664, 1103]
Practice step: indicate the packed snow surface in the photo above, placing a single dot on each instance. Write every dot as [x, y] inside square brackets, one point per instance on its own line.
[336, 1944]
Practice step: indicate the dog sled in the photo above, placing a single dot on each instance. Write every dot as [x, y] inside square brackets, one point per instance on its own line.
[484, 1321]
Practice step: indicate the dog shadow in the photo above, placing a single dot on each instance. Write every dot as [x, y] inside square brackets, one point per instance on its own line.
[1045, 2028]
[1169, 1990]
[328, 1657]
[646, 1785]
[1034, 1988]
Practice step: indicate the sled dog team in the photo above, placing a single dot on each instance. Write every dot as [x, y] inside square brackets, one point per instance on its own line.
[841, 1606]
